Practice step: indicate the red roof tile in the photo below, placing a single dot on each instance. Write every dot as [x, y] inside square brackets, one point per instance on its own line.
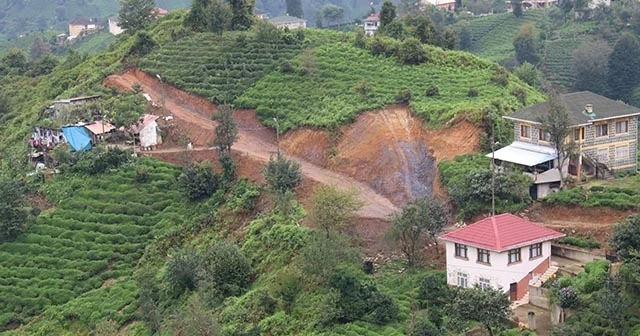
[501, 232]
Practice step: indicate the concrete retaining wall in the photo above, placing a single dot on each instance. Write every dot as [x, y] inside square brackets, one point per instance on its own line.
[538, 297]
[574, 253]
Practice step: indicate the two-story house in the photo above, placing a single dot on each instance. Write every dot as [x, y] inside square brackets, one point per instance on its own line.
[502, 251]
[80, 25]
[371, 24]
[605, 133]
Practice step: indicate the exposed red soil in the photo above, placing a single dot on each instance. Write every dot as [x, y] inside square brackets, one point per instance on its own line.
[193, 115]
[39, 201]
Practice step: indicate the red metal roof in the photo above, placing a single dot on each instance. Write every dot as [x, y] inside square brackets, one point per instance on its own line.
[373, 17]
[501, 232]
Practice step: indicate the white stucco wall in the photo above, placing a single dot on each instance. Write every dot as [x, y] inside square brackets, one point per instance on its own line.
[114, 28]
[149, 135]
[499, 273]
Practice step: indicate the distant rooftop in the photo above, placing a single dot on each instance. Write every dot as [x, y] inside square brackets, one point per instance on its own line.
[74, 99]
[583, 107]
[373, 17]
[82, 21]
[286, 19]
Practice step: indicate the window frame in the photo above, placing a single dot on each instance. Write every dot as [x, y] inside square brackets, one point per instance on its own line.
[580, 132]
[483, 252]
[522, 128]
[535, 247]
[462, 278]
[626, 123]
[604, 126]
[516, 252]
[602, 150]
[619, 157]
[484, 283]
[461, 247]
[542, 132]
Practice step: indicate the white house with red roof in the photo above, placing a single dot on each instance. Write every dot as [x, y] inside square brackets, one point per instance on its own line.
[502, 251]
[371, 24]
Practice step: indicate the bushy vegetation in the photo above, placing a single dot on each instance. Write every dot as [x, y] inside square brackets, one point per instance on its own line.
[468, 181]
[586, 243]
[612, 197]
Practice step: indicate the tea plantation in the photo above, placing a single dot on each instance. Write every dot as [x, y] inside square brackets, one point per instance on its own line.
[95, 235]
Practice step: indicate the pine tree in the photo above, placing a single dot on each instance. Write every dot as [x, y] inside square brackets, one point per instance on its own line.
[624, 67]
[387, 13]
[242, 18]
[136, 14]
[294, 8]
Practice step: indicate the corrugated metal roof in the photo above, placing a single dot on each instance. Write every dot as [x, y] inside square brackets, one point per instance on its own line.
[525, 154]
[99, 127]
[501, 233]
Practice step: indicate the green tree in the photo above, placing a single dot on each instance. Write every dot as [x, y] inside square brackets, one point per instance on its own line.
[229, 167]
[448, 39]
[499, 6]
[526, 44]
[198, 181]
[226, 268]
[387, 13]
[624, 67]
[13, 62]
[294, 8]
[14, 214]
[242, 17]
[556, 122]
[194, 320]
[39, 49]
[423, 27]
[320, 256]
[209, 15]
[148, 298]
[433, 291]
[419, 218]
[44, 66]
[528, 74]
[226, 132]
[517, 7]
[411, 52]
[424, 327]
[286, 286]
[490, 307]
[282, 175]
[182, 269]
[465, 38]
[135, 15]
[142, 45]
[5, 105]
[567, 299]
[333, 13]
[332, 208]
[626, 237]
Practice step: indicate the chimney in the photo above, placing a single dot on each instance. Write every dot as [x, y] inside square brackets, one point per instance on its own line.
[589, 108]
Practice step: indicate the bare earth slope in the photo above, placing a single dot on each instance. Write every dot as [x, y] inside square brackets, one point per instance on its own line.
[193, 115]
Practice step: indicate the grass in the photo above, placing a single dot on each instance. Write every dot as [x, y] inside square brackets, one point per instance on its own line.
[97, 233]
[326, 96]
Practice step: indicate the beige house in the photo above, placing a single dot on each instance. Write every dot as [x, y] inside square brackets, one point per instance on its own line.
[604, 132]
[262, 15]
[290, 22]
[114, 27]
[79, 25]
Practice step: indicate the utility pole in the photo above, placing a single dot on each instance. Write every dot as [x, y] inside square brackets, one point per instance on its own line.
[493, 169]
[162, 95]
[275, 119]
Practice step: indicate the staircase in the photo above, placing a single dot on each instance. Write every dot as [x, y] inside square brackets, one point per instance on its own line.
[538, 283]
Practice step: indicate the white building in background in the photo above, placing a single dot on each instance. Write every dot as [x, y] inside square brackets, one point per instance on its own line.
[502, 251]
[114, 28]
[288, 21]
[371, 24]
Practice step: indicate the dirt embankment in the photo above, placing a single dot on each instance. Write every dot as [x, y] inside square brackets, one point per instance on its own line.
[193, 116]
[389, 149]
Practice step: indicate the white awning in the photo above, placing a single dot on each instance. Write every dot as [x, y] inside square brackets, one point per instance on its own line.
[525, 154]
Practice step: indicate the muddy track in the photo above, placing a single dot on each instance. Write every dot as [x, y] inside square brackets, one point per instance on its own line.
[193, 115]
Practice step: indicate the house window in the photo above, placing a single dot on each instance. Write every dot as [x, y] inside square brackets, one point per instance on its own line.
[622, 152]
[602, 130]
[578, 134]
[544, 135]
[461, 251]
[603, 155]
[484, 283]
[462, 280]
[535, 250]
[514, 256]
[483, 256]
[525, 131]
[622, 126]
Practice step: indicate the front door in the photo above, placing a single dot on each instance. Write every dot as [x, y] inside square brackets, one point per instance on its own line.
[533, 192]
[513, 291]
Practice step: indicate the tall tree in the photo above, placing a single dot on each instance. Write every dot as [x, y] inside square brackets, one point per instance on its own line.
[294, 8]
[624, 67]
[332, 208]
[39, 49]
[490, 307]
[590, 64]
[242, 17]
[136, 14]
[626, 237]
[333, 13]
[517, 7]
[13, 213]
[419, 218]
[282, 175]
[387, 13]
[464, 36]
[209, 15]
[557, 123]
[226, 132]
[526, 44]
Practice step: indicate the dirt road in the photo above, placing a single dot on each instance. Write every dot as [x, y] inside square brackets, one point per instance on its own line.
[193, 115]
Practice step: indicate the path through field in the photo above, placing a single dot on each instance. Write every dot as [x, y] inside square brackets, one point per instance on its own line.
[193, 115]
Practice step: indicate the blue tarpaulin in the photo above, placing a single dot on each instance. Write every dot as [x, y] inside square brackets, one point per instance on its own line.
[78, 137]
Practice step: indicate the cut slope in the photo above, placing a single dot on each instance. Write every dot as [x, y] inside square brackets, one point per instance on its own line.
[193, 114]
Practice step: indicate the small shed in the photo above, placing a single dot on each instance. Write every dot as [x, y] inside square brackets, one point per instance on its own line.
[99, 130]
[148, 131]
